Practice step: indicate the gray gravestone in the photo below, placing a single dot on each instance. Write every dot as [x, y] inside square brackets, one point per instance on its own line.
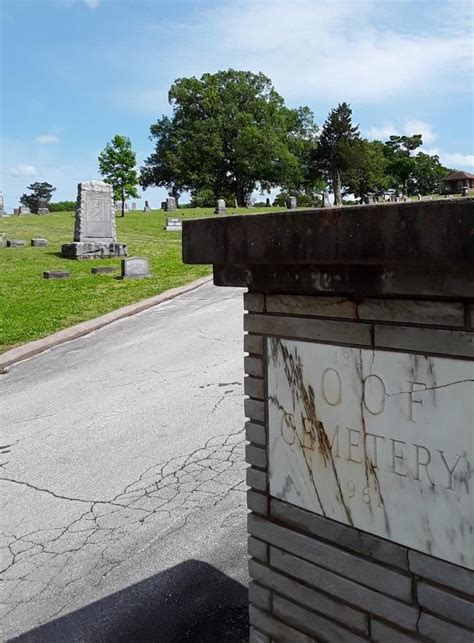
[94, 232]
[134, 205]
[16, 210]
[42, 207]
[465, 190]
[2, 205]
[291, 202]
[56, 274]
[236, 205]
[39, 243]
[267, 203]
[24, 209]
[170, 204]
[135, 268]
[173, 224]
[2, 239]
[220, 207]
[146, 207]
[15, 243]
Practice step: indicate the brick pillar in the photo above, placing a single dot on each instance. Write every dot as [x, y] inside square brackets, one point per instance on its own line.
[360, 384]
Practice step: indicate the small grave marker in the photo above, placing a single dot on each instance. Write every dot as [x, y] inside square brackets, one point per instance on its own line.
[220, 207]
[15, 243]
[135, 268]
[103, 270]
[173, 225]
[56, 274]
[39, 243]
[291, 202]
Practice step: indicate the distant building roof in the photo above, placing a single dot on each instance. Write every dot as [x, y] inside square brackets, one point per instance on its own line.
[456, 176]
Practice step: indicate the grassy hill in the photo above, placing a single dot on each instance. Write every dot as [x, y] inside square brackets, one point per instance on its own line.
[32, 307]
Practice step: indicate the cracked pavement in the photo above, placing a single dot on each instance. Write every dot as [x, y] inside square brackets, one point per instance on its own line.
[121, 455]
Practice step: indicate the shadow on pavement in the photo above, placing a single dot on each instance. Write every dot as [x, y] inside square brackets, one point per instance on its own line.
[190, 602]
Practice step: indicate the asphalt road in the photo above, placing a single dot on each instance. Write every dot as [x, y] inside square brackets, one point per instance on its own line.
[122, 495]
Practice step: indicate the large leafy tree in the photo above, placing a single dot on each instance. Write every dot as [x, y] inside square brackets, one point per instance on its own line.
[368, 171]
[117, 164]
[337, 148]
[38, 191]
[230, 132]
[427, 175]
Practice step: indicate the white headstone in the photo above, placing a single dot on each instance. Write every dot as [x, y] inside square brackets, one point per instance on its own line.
[220, 206]
[173, 224]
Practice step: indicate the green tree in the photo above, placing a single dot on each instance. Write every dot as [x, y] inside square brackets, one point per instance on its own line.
[39, 191]
[427, 175]
[368, 171]
[404, 145]
[398, 150]
[62, 206]
[230, 132]
[117, 163]
[335, 153]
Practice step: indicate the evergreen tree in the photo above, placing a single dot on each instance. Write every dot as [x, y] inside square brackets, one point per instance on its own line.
[336, 152]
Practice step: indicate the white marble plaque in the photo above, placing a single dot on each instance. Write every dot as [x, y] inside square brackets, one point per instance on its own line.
[382, 441]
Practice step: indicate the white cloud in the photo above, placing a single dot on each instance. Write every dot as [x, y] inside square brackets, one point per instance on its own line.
[23, 169]
[453, 159]
[93, 4]
[47, 139]
[409, 128]
[327, 50]
[382, 133]
[420, 127]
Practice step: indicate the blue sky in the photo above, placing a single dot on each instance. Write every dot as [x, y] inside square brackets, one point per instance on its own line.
[76, 72]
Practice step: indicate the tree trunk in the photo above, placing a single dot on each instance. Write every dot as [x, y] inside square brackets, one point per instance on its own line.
[240, 196]
[123, 202]
[336, 187]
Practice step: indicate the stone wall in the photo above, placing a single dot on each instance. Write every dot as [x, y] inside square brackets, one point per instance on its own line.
[314, 578]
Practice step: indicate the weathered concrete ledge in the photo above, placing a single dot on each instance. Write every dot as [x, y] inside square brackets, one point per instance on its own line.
[423, 248]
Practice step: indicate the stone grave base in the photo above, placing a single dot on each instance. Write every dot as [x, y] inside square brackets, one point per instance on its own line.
[42, 211]
[93, 250]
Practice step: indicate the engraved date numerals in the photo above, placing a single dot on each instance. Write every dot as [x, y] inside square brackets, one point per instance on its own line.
[364, 493]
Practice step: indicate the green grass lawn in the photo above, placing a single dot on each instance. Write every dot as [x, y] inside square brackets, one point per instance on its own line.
[32, 307]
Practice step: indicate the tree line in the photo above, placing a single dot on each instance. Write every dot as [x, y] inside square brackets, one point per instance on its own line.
[230, 134]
